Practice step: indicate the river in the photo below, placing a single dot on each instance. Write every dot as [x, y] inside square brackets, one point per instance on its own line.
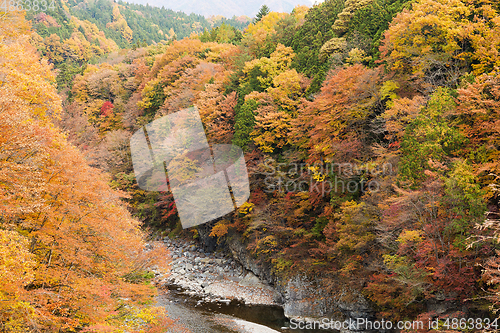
[209, 293]
[224, 318]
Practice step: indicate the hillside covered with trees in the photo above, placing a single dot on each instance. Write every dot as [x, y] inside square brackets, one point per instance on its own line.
[71, 34]
[371, 137]
[127, 24]
[227, 8]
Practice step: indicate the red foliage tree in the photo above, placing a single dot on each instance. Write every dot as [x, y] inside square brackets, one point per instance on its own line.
[107, 109]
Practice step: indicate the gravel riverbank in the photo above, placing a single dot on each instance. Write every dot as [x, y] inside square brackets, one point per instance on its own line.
[213, 277]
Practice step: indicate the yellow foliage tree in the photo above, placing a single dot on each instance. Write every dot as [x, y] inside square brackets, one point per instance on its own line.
[286, 89]
[16, 272]
[439, 38]
[272, 126]
[268, 68]
[120, 24]
[256, 34]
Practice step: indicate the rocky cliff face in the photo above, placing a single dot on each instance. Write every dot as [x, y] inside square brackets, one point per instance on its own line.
[305, 297]
[301, 296]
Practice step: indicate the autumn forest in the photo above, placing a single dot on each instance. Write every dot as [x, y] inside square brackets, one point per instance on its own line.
[389, 108]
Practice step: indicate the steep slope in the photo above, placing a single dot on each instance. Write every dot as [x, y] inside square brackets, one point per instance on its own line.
[125, 24]
[70, 252]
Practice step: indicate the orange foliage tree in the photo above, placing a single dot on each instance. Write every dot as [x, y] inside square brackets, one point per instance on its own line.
[71, 255]
[331, 127]
[478, 115]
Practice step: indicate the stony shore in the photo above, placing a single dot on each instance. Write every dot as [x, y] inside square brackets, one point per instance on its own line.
[213, 277]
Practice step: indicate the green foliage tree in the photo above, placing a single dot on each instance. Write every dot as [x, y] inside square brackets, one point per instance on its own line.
[263, 11]
[222, 34]
[429, 137]
[244, 121]
[310, 36]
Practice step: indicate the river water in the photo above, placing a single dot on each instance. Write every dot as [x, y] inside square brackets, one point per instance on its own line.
[221, 318]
